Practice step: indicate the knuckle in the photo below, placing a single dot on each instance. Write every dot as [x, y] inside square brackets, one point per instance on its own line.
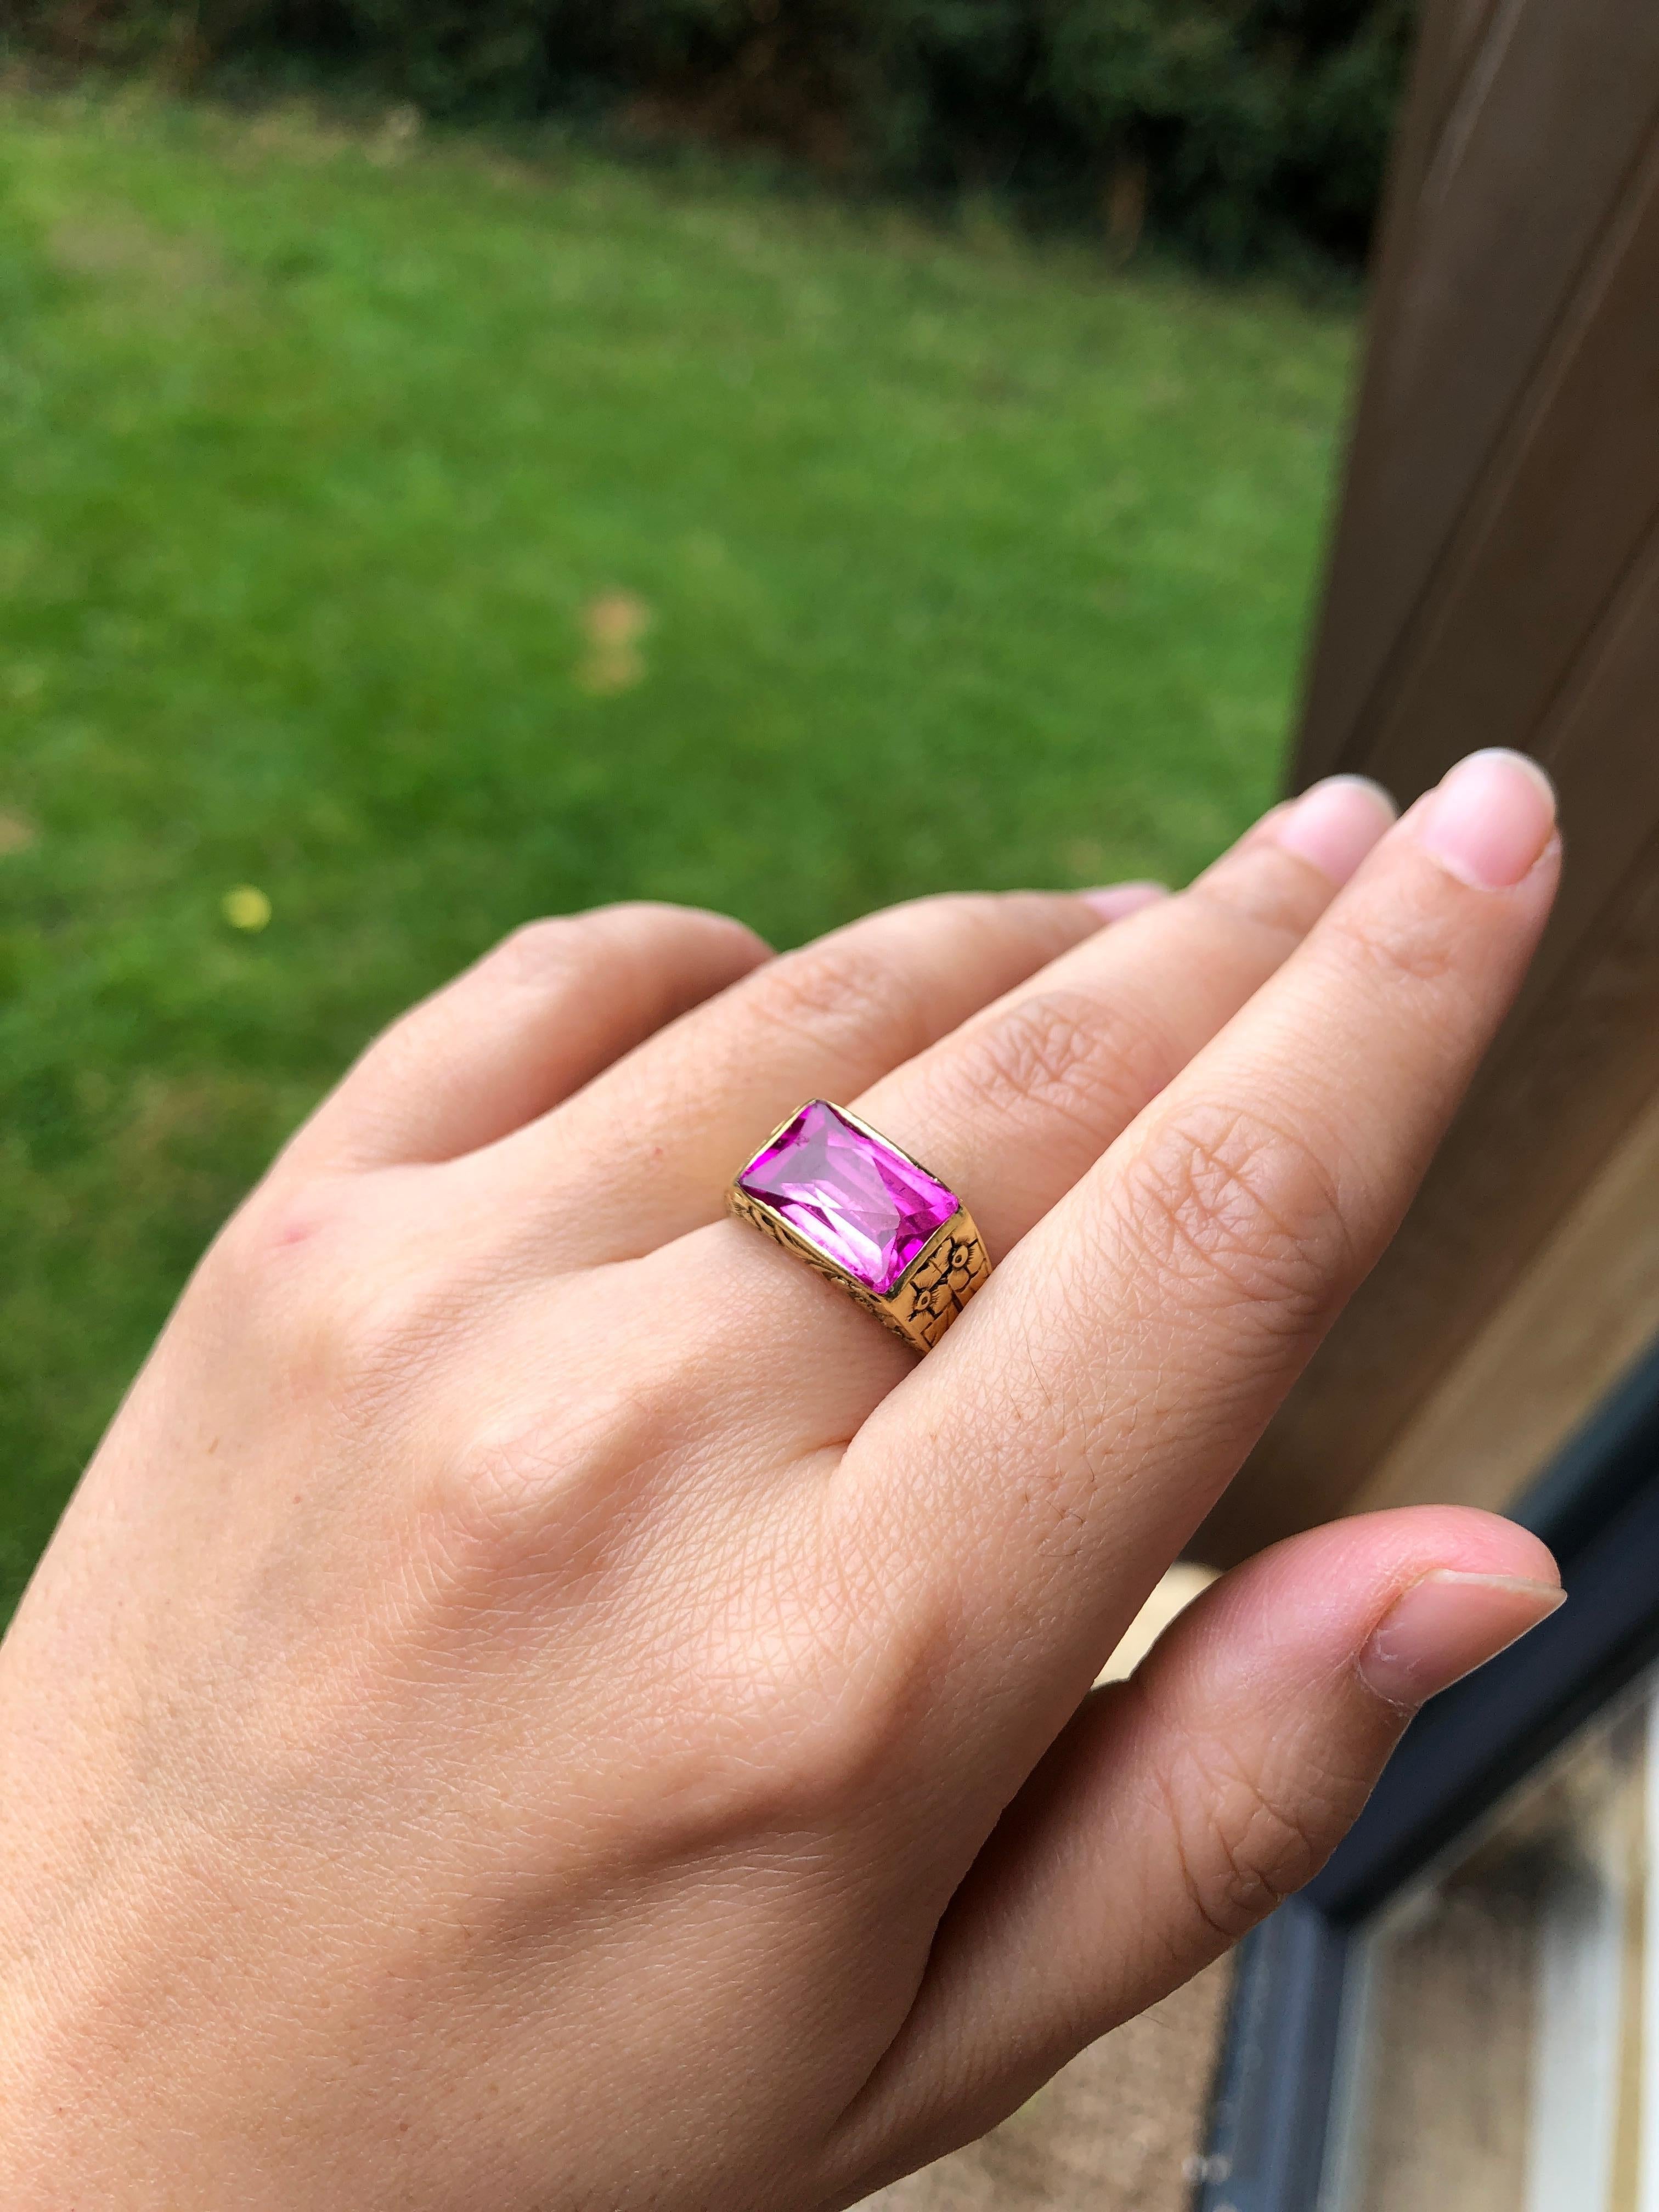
[391, 1323]
[287, 1228]
[376, 1334]
[843, 988]
[886, 976]
[810, 1684]
[304, 1268]
[801, 1744]
[1065, 1053]
[1244, 1211]
[1398, 944]
[486, 1502]
[645, 925]
[822, 1774]
[724, 930]
[483, 1504]
[1241, 1853]
[643, 950]
[551, 1488]
[544, 950]
[1265, 889]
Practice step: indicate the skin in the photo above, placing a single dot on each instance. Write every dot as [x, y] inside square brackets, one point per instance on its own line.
[538, 1703]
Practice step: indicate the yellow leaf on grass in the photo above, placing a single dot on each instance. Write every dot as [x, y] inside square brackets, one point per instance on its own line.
[246, 908]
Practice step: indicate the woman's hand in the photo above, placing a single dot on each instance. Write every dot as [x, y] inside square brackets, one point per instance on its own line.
[539, 1703]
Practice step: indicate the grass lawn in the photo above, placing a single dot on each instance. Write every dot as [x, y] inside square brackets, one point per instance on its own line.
[425, 538]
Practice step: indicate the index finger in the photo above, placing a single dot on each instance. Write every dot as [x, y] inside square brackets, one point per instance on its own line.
[1027, 1485]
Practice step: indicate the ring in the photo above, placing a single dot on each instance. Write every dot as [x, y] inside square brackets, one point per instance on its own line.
[868, 1217]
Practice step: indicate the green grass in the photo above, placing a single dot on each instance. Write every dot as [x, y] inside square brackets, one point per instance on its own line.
[965, 564]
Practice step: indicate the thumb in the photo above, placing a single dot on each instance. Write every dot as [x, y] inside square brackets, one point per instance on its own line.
[1180, 1806]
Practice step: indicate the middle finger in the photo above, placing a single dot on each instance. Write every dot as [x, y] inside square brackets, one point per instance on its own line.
[1022, 1100]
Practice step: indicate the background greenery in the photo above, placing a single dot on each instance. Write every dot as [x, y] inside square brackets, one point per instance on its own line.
[421, 540]
[1241, 127]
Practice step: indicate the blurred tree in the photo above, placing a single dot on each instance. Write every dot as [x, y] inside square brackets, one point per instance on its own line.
[1235, 127]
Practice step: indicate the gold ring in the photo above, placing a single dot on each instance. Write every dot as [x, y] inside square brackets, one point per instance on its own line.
[871, 1219]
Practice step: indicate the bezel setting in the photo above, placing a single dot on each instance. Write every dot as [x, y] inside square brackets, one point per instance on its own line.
[936, 1281]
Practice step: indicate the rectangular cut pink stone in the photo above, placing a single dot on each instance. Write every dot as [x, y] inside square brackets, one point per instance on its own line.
[852, 1197]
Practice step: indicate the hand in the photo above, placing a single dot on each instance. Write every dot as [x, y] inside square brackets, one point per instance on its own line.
[539, 1703]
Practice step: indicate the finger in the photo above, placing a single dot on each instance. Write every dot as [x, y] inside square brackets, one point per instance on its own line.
[1016, 1103]
[1117, 901]
[651, 1144]
[1013, 1108]
[1180, 1806]
[540, 1015]
[669, 1127]
[1053, 1454]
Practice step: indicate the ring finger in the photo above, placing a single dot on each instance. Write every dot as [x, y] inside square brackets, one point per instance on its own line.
[1005, 1042]
[1016, 1105]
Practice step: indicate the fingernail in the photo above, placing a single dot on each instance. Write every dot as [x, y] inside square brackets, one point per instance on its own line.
[1490, 819]
[1115, 901]
[1445, 1627]
[1335, 824]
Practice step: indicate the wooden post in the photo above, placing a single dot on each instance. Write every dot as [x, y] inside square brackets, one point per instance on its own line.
[1494, 580]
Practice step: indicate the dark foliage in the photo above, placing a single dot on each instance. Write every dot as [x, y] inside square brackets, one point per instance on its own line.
[1233, 126]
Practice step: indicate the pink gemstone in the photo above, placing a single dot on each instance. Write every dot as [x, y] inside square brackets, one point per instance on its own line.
[857, 1200]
